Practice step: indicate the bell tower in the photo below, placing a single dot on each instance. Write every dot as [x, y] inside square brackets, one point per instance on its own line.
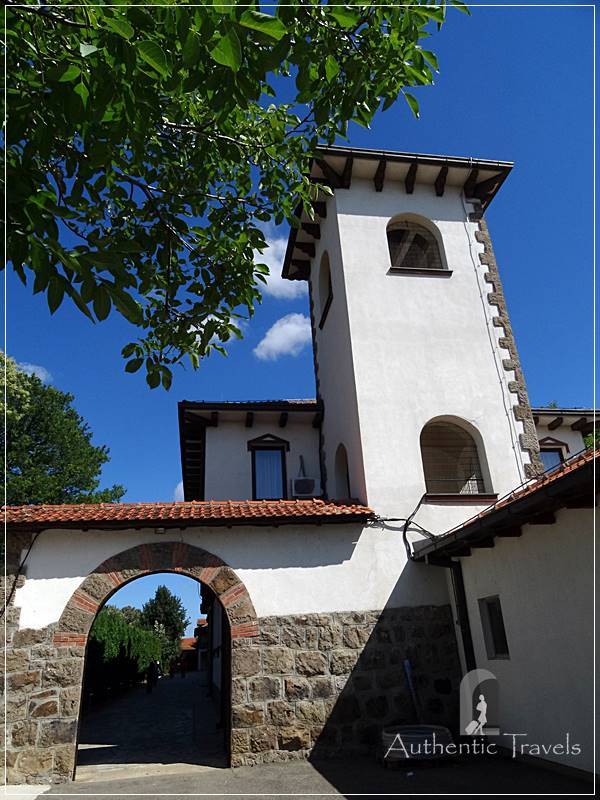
[416, 365]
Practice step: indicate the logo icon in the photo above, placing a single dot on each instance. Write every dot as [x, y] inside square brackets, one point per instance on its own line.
[479, 703]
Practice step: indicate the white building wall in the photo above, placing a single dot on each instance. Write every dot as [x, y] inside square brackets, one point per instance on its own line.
[229, 462]
[334, 363]
[286, 570]
[421, 347]
[545, 582]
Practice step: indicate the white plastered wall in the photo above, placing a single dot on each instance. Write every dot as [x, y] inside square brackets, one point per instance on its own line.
[544, 580]
[229, 462]
[421, 347]
[291, 569]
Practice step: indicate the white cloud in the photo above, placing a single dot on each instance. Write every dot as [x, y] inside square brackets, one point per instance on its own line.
[287, 337]
[277, 286]
[178, 492]
[37, 370]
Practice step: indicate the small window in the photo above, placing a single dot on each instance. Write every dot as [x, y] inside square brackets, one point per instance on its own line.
[325, 289]
[552, 457]
[413, 246]
[269, 481]
[492, 622]
[450, 460]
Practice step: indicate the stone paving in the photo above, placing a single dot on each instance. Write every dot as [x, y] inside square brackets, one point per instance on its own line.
[491, 777]
[174, 725]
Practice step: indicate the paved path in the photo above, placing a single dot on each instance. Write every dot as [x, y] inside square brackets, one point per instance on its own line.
[478, 777]
[172, 728]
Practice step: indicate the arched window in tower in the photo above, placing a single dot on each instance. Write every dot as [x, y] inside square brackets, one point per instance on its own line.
[342, 474]
[413, 246]
[325, 289]
[451, 460]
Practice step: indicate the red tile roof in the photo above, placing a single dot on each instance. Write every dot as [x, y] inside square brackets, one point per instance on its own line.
[188, 643]
[212, 512]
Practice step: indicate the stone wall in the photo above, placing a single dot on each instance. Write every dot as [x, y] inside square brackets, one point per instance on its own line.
[325, 684]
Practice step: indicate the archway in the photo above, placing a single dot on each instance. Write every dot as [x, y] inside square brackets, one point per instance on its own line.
[177, 557]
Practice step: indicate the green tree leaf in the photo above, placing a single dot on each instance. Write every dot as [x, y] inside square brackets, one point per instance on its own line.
[71, 72]
[154, 55]
[413, 103]
[263, 23]
[228, 51]
[119, 25]
[332, 68]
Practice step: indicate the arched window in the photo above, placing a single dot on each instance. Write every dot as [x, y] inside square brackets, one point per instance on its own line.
[342, 475]
[325, 289]
[451, 460]
[413, 246]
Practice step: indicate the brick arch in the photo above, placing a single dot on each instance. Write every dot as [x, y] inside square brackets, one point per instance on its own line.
[107, 578]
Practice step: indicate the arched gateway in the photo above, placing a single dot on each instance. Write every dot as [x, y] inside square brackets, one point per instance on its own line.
[51, 721]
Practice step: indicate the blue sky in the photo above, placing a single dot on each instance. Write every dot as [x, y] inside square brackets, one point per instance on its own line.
[515, 84]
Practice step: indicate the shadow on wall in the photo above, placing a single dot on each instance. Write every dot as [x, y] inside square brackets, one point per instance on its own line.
[54, 554]
[396, 667]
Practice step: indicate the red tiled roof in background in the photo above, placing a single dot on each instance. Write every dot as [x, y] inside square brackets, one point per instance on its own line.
[212, 512]
[188, 643]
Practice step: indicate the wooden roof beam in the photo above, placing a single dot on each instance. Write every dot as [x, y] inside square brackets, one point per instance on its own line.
[581, 424]
[440, 181]
[470, 183]
[347, 173]
[379, 177]
[283, 419]
[307, 248]
[249, 419]
[312, 228]
[330, 174]
[320, 207]
[411, 176]
[555, 423]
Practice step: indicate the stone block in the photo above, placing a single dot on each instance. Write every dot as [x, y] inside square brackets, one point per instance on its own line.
[34, 763]
[240, 741]
[63, 672]
[293, 738]
[64, 761]
[43, 708]
[239, 692]
[310, 712]
[343, 661]
[248, 715]
[264, 688]
[245, 661]
[269, 634]
[312, 638]
[29, 636]
[311, 663]
[57, 732]
[297, 688]
[322, 687]
[277, 661]
[17, 660]
[293, 636]
[223, 580]
[262, 739]
[330, 636]
[280, 712]
[69, 701]
[356, 637]
[24, 734]
[27, 681]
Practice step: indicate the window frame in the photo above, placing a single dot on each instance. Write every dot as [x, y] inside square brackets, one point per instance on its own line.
[329, 300]
[409, 222]
[554, 445]
[492, 650]
[274, 443]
